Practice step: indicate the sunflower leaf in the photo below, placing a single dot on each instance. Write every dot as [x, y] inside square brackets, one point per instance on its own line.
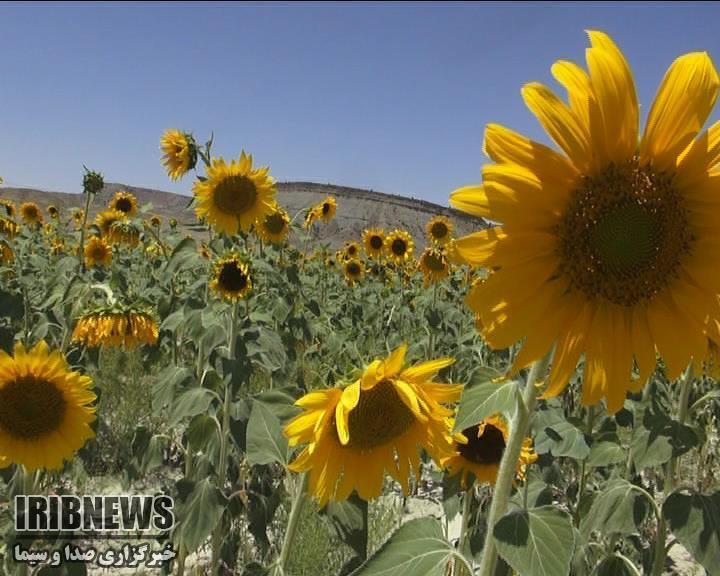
[695, 520]
[485, 399]
[619, 508]
[265, 440]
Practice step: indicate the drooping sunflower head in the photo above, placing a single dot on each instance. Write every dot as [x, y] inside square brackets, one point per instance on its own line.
[53, 212]
[374, 241]
[8, 208]
[45, 408]
[231, 278]
[31, 214]
[155, 221]
[434, 264]
[124, 202]
[326, 209]
[274, 227]
[399, 246]
[233, 196]
[179, 153]
[376, 425]
[351, 250]
[353, 270]
[611, 238]
[116, 326]
[106, 220]
[7, 255]
[8, 227]
[479, 450]
[97, 252]
[125, 233]
[439, 230]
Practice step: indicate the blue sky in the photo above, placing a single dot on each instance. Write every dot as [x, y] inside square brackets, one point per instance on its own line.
[392, 97]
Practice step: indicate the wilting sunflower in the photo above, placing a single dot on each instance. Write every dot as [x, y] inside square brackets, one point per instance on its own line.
[105, 221]
[180, 153]
[326, 209]
[479, 449]
[439, 230]
[155, 221]
[123, 232]
[115, 327]
[607, 250]
[374, 240]
[8, 227]
[377, 424]
[53, 211]
[353, 270]
[351, 250]
[274, 227]
[124, 202]
[45, 408]
[231, 278]
[434, 265]
[97, 252]
[399, 246]
[6, 253]
[8, 207]
[31, 214]
[234, 195]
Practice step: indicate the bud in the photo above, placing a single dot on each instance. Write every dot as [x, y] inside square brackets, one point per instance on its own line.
[92, 182]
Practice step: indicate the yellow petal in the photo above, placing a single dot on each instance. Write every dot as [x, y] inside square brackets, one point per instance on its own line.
[700, 156]
[425, 370]
[395, 361]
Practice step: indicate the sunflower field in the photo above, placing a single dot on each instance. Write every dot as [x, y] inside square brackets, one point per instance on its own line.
[536, 398]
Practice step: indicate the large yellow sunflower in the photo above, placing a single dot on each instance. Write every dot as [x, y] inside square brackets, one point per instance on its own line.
[610, 249]
[274, 227]
[31, 214]
[377, 424]
[97, 252]
[231, 278]
[439, 230]
[434, 265]
[124, 202]
[234, 195]
[106, 220]
[374, 240]
[399, 246]
[180, 153]
[45, 408]
[114, 328]
[479, 450]
[353, 270]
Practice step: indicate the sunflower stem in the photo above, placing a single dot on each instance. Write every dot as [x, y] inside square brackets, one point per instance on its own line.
[467, 503]
[670, 472]
[293, 522]
[508, 465]
[81, 249]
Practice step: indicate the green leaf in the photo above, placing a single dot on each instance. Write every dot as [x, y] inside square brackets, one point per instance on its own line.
[202, 434]
[348, 519]
[619, 508]
[485, 399]
[194, 401]
[266, 442]
[694, 519]
[558, 436]
[657, 438]
[418, 548]
[185, 255]
[536, 542]
[605, 453]
[200, 514]
[615, 566]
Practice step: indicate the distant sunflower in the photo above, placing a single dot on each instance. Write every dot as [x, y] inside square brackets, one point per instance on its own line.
[180, 153]
[353, 270]
[6, 253]
[399, 246]
[53, 211]
[326, 209]
[374, 240]
[78, 215]
[57, 246]
[231, 278]
[351, 250]
[124, 202]
[439, 230]
[155, 221]
[45, 408]
[310, 217]
[8, 227]
[114, 328]
[105, 221]
[377, 424]
[233, 196]
[8, 207]
[434, 265]
[480, 448]
[274, 227]
[97, 252]
[30, 213]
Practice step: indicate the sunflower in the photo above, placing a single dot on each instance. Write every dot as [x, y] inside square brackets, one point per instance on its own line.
[274, 227]
[439, 230]
[234, 195]
[57, 246]
[180, 153]
[204, 250]
[106, 220]
[399, 246]
[310, 217]
[8, 227]
[479, 449]
[377, 424]
[9, 208]
[231, 278]
[78, 215]
[97, 252]
[45, 408]
[6, 253]
[155, 221]
[122, 232]
[351, 250]
[326, 209]
[116, 327]
[434, 265]
[53, 211]
[353, 270]
[612, 245]
[30, 213]
[374, 240]
[124, 202]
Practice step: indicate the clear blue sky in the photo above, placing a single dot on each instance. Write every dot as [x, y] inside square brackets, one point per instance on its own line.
[392, 97]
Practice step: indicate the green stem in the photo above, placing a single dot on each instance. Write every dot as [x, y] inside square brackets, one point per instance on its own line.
[293, 521]
[583, 475]
[508, 465]
[81, 249]
[670, 472]
[467, 503]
